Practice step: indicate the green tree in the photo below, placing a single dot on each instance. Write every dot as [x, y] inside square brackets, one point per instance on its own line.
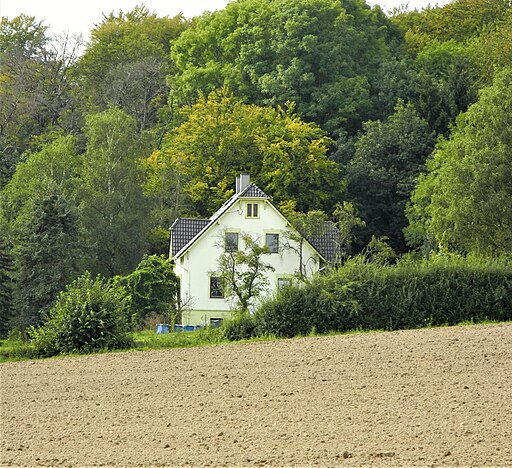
[459, 20]
[48, 174]
[388, 158]
[154, 289]
[112, 205]
[52, 168]
[243, 273]
[321, 54]
[304, 227]
[6, 287]
[464, 203]
[221, 137]
[347, 223]
[446, 83]
[47, 257]
[126, 63]
[491, 51]
[37, 89]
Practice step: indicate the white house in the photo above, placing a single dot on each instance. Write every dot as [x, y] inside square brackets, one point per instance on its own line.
[196, 245]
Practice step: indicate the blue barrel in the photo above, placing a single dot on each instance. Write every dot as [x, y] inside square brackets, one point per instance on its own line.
[189, 328]
[162, 328]
[178, 328]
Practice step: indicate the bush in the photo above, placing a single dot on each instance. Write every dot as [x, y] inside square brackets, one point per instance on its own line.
[440, 291]
[153, 287]
[321, 305]
[240, 327]
[90, 315]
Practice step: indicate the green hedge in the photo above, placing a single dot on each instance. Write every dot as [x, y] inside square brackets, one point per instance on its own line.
[441, 291]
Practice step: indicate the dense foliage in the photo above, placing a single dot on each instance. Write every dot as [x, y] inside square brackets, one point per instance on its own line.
[90, 315]
[442, 291]
[335, 109]
[321, 54]
[464, 203]
[153, 288]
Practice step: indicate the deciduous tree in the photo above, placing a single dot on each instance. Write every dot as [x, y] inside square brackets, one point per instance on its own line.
[321, 54]
[221, 137]
[388, 158]
[243, 272]
[464, 203]
[112, 204]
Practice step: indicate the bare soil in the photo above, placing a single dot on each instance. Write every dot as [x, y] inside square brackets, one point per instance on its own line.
[410, 398]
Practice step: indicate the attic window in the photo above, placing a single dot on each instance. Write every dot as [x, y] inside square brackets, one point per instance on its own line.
[252, 210]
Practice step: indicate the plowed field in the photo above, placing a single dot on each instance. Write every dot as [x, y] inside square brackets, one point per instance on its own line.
[410, 398]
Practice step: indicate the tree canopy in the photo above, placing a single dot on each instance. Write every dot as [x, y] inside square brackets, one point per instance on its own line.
[464, 203]
[321, 54]
[220, 137]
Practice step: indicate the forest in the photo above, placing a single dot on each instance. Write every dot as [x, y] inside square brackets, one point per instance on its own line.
[398, 125]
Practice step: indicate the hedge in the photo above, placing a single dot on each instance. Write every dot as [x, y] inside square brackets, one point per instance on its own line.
[440, 291]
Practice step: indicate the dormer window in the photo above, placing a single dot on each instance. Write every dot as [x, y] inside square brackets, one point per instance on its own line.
[252, 210]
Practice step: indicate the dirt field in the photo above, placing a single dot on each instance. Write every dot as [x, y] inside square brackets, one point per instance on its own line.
[410, 398]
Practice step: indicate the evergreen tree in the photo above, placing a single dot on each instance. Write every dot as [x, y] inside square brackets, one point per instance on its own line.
[47, 257]
[6, 293]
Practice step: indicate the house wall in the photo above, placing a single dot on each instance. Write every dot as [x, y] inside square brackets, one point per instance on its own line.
[201, 261]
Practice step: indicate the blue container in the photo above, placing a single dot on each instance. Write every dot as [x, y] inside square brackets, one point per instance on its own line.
[178, 328]
[189, 328]
[162, 328]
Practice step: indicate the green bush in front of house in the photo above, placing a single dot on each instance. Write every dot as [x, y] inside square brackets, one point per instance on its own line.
[89, 315]
[153, 287]
[411, 294]
[241, 327]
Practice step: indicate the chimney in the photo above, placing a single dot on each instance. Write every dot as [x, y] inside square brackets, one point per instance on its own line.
[242, 182]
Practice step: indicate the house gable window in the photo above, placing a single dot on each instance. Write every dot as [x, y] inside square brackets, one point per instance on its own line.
[272, 242]
[252, 210]
[231, 241]
[216, 287]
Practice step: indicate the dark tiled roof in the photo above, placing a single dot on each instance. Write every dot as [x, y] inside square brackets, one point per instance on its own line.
[326, 242]
[251, 191]
[183, 230]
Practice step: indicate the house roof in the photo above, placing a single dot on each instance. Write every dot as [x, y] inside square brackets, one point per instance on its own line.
[326, 242]
[185, 231]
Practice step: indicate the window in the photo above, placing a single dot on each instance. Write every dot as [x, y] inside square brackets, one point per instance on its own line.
[216, 287]
[283, 283]
[216, 322]
[231, 241]
[272, 242]
[252, 210]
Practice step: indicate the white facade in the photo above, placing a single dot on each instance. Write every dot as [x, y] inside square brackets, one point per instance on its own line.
[197, 261]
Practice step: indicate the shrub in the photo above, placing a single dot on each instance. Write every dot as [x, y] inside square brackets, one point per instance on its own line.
[153, 287]
[412, 294]
[240, 327]
[321, 304]
[90, 315]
